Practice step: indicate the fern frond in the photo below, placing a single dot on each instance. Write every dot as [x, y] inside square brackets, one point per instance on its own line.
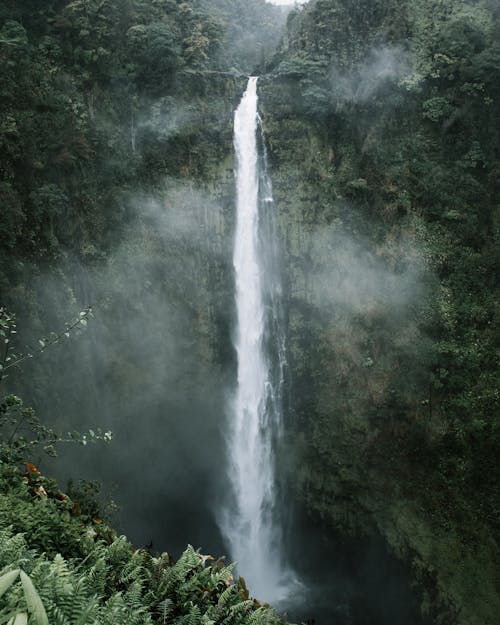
[13, 548]
[257, 616]
[224, 575]
[7, 580]
[95, 578]
[241, 607]
[88, 614]
[164, 609]
[133, 596]
[189, 561]
[61, 571]
[226, 596]
[33, 601]
[193, 617]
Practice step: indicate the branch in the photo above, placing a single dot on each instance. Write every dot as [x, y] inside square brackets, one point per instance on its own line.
[81, 322]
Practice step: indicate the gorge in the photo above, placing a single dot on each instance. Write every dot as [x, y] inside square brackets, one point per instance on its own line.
[376, 258]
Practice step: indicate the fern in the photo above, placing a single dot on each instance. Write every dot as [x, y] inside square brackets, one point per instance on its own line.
[95, 579]
[242, 607]
[193, 617]
[113, 584]
[164, 610]
[12, 549]
[226, 596]
[7, 580]
[257, 617]
[133, 570]
[224, 576]
[88, 614]
[20, 619]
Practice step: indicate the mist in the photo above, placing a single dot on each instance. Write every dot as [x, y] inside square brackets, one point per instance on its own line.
[149, 368]
[351, 275]
[382, 66]
[253, 32]
[156, 367]
[286, 2]
[156, 364]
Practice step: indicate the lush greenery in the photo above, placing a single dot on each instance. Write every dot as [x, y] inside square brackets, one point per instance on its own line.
[384, 117]
[104, 105]
[77, 82]
[60, 565]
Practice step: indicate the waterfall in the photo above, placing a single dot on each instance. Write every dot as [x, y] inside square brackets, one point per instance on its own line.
[250, 522]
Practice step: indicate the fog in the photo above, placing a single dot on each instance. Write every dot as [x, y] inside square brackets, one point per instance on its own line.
[383, 65]
[350, 275]
[286, 2]
[253, 32]
[149, 368]
[156, 366]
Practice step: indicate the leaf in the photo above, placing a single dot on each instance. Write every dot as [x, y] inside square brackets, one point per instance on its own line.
[33, 601]
[20, 618]
[32, 468]
[7, 580]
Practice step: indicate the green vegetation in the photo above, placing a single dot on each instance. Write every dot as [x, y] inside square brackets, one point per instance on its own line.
[59, 565]
[383, 117]
[77, 82]
[101, 103]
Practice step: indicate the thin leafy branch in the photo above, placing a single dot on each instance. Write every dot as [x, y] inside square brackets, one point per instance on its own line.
[21, 431]
[8, 329]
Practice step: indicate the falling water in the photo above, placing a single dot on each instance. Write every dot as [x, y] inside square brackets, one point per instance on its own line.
[250, 523]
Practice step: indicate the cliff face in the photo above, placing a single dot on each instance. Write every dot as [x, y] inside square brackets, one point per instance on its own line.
[381, 120]
[117, 191]
[372, 120]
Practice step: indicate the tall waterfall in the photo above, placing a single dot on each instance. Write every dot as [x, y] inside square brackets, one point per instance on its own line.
[250, 522]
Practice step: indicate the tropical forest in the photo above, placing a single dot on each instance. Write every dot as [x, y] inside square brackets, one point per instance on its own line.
[249, 328]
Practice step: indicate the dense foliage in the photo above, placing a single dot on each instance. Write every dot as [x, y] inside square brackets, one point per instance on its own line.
[76, 80]
[104, 105]
[384, 116]
[382, 119]
[60, 565]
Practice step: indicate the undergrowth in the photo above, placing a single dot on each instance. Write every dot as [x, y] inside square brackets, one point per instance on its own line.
[62, 567]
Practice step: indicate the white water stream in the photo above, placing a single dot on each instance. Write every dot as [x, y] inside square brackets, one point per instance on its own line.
[250, 523]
